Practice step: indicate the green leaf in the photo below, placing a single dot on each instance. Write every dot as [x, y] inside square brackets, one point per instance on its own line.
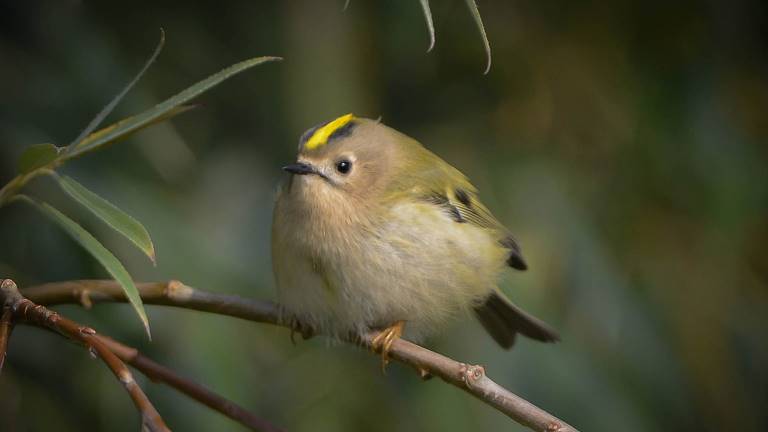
[113, 103]
[121, 129]
[430, 24]
[102, 255]
[36, 156]
[472, 4]
[108, 133]
[121, 222]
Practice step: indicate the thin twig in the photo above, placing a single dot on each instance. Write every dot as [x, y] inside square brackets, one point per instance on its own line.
[6, 326]
[9, 296]
[27, 312]
[470, 378]
[173, 293]
[159, 373]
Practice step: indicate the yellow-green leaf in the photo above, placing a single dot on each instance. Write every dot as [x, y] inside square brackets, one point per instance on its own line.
[121, 129]
[472, 4]
[37, 156]
[102, 255]
[121, 222]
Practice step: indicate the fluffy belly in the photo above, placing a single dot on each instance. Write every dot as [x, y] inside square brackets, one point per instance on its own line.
[421, 267]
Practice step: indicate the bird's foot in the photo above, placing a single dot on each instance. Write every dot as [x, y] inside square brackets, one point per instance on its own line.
[382, 343]
[305, 330]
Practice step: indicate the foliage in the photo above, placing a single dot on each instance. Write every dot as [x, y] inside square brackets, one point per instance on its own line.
[41, 159]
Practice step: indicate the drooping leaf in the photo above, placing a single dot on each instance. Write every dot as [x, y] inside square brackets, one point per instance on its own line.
[113, 103]
[430, 24]
[121, 222]
[472, 4]
[121, 129]
[102, 255]
[37, 156]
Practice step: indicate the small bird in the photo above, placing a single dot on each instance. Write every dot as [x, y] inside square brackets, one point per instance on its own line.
[372, 231]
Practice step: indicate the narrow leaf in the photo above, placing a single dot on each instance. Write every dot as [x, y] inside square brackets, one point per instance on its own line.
[346, 5]
[121, 129]
[472, 4]
[430, 24]
[102, 255]
[37, 156]
[113, 103]
[108, 135]
[121, 222]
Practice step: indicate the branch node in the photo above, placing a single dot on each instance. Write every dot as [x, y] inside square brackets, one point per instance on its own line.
[10, 293]
[125, 377]
[8, 285]
[554, 427]
[84, 296]
[87, 331]
[177, 290]
[471, 374]
[36, 313]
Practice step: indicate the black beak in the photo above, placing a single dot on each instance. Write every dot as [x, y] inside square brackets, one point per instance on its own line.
[300, 168]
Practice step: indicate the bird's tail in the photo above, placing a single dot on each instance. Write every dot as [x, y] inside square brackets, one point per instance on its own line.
[503, 320]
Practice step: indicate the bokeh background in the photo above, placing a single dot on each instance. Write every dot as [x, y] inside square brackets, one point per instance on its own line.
[624, 143]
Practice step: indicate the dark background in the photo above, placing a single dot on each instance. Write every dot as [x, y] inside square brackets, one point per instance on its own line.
[624, 143]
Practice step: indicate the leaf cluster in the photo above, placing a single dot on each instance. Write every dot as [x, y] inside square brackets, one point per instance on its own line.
[46, 158]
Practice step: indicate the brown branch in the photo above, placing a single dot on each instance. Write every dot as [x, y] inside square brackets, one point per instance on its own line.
[27, 312]
[155, 371]
[173, 293]
[159, 373]
[6, 326]
[470, 378]
[9, 296]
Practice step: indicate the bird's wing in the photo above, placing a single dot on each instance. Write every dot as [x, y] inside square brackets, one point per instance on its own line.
[446, 187]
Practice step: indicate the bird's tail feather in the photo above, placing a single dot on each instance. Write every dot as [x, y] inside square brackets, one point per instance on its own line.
[503, 320]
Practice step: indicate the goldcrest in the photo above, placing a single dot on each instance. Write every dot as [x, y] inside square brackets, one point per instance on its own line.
[374, 231]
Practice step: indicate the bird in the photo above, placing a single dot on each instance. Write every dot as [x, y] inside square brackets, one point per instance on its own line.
[372, 231]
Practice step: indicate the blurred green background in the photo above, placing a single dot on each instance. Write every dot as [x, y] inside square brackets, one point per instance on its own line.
[624, 143]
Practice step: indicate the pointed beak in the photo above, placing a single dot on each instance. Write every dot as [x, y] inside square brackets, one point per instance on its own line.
[300, 168]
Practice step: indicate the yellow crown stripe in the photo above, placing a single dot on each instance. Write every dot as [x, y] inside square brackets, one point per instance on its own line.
[320, 137]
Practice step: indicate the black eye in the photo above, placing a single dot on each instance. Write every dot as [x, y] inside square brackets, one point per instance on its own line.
[343, 166]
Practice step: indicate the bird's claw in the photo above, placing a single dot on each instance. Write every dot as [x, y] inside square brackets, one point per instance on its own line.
[382, 342]
[305, 330]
